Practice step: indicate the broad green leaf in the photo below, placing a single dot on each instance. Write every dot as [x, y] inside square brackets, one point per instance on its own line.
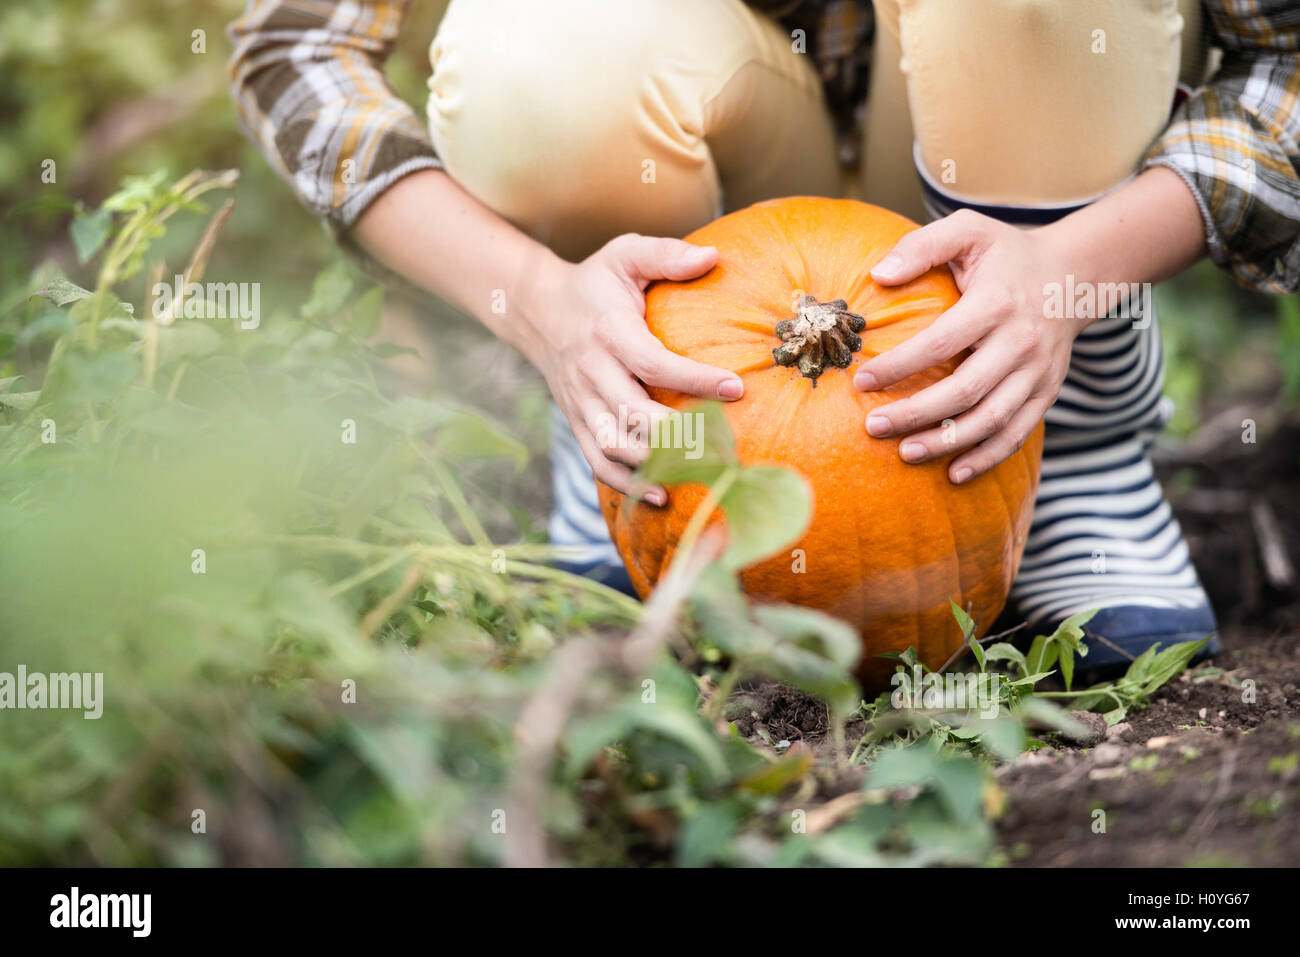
[61, 292]
[694, 445]
[412, 416]
[959, 783]
[1002, 651]
[1003, 736]
[88, 377]
[22, 401]
[708, 833]
[366, 313]
[89, 231]
[1042, 654]
[828, 636]
[1050, 714]
[467, 437]
[329, 291]
[767, 508]
[49, 325]
[902, 767]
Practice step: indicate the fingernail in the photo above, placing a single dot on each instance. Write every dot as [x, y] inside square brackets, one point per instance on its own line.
[696, 253]
[962, 474]
[878, 425]
[656, 496]
[912, 451]
[865, 381]
[889, 266]
[731, 389]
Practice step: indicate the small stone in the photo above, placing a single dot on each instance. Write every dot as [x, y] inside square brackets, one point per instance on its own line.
[1092, 728]
[1202, 713]
[1107, 774]
[1117, 732]
[1155, 744]
[1105, 754]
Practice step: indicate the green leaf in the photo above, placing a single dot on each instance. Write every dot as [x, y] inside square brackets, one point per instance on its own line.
[21, 401]
[694, 445]
[1067, 666]
[413, 416]
[708, 833]
[902, 767]
[964, 621]
[329, 291]
[61, 292]
[809, 650]
[959, 783]
[1002, 651]
[767, 508]
[1003, 736]
[89, 231]
[467, 437]
[49, 325]
[88, 377]
[1165, 664]
[1042, 655]
[1048, 713]
[366, 313]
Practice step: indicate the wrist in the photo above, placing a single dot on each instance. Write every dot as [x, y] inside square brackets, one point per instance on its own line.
[1075, 279]
[539, 306]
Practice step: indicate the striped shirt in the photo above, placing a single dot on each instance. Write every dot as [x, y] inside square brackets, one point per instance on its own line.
[310, 91]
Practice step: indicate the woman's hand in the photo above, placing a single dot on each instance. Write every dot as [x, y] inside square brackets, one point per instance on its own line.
[996, 397]
[592, 346]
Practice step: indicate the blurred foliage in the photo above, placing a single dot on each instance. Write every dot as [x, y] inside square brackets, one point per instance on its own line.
[126, 444]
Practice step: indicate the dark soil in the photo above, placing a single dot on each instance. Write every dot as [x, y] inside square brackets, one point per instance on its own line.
[1209, 772]
[1205, 774]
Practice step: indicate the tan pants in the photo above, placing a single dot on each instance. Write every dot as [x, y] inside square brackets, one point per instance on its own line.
[579, 120]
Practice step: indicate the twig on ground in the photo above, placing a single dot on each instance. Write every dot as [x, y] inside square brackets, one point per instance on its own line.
[1272, 550]
[543, 718]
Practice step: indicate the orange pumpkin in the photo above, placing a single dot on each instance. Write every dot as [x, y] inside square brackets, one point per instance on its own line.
[889, 543]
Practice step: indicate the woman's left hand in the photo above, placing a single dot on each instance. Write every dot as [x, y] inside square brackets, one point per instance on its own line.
[999, 393]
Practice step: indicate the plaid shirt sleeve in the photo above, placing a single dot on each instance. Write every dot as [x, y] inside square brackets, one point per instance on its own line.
[1236, 143]
[309, 90]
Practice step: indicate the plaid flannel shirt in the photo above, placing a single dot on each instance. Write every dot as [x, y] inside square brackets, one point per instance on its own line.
[310, 90]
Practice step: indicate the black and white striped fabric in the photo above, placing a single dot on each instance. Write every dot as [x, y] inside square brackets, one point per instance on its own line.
[1103, 536]
[576, 521]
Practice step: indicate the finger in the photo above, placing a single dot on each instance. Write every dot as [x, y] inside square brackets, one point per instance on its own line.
[942, 241]
[978, 375]
[998, 447]
[616, 475]
[623, 430]
[642, 259]
[618, 413]
[993, 414]
[650, 361]
[957, 329]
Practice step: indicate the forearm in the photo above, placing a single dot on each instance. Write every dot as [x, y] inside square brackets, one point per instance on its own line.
[431, 232]
[1146, 231]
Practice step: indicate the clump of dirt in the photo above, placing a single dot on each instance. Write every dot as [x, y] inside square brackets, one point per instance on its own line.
[1199, 797]
[782, 712]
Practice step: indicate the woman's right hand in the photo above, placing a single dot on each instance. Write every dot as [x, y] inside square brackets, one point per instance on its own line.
[592, 345]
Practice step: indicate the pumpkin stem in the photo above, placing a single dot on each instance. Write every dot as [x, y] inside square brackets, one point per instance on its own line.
[821, 333]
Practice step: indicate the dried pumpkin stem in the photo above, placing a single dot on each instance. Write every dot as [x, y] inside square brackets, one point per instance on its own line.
[820, 334]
